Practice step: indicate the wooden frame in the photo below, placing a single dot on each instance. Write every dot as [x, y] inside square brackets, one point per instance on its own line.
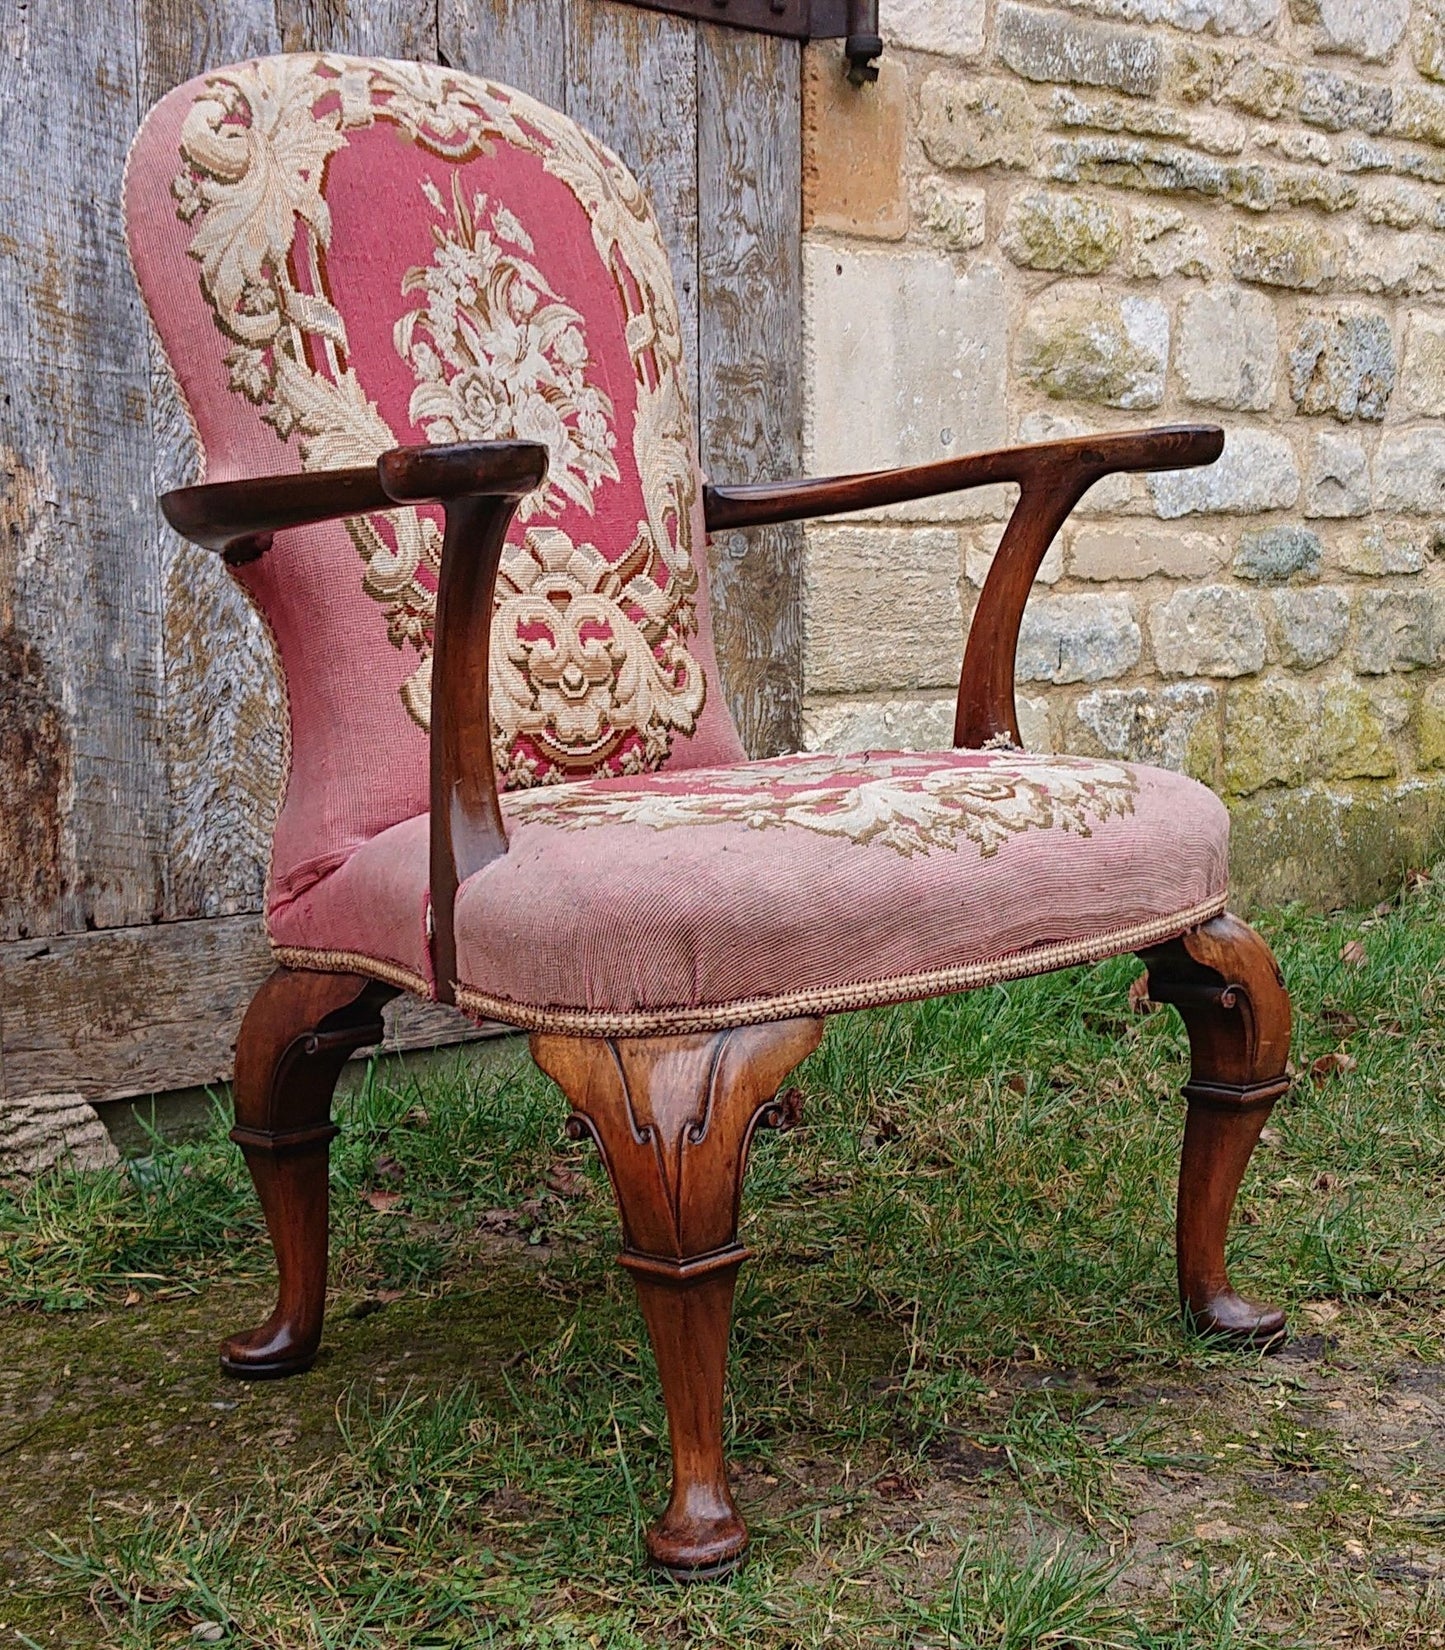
[673, 1116]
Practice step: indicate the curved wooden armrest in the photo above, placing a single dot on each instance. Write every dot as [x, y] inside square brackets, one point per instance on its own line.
[479, 486]
[760, 504]
[240, 518]
[1051, 476]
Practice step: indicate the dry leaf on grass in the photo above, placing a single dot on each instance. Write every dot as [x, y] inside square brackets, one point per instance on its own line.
[384, 1203]
[1353, 952]
[1140, 1002]
[565, 1181]
[1330, 1065]
[1339, 1021]
[1321, 1312]
[387, 1171]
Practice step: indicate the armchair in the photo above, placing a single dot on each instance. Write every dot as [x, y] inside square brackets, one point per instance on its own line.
[513, 784]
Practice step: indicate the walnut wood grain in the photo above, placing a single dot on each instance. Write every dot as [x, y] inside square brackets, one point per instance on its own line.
[298, 1033]
[1230, 994]
[673, 1118]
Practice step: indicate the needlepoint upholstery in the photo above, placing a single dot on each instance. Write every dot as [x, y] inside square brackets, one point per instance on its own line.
[696, 899]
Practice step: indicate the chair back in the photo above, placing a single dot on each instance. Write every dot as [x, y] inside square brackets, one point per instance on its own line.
[344, 255]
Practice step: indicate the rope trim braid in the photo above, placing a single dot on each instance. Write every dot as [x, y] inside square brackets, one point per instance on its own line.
[840, 999]
[353, 962]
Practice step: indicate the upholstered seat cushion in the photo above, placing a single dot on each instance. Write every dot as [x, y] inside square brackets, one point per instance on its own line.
[804, 884]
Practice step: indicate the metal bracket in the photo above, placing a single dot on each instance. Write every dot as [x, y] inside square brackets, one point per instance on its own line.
[853, 21]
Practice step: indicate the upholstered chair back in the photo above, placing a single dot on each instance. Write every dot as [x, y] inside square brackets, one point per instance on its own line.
[343, 255]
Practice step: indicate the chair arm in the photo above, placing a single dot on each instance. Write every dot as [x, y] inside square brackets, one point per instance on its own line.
[1051, 477]
[239, 518]
[479, 487]
[764, 503]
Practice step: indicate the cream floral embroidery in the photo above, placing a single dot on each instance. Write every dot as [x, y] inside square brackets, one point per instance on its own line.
[911, 804]
[499, 356]
[496, 354]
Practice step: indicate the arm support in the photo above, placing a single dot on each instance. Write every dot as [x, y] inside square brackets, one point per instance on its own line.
[478, 487]
[1052, 477]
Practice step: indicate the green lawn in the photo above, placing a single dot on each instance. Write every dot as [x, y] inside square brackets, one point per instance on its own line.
[963, 1410]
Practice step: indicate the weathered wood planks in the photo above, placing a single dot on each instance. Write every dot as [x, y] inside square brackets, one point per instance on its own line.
[143, 1010]
[141, 718]
[749, 215]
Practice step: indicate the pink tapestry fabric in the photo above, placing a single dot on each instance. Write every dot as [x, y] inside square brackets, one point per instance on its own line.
[345, 255]
[804, 884]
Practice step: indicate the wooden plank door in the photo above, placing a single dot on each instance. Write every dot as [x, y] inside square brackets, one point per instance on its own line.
[140, 730]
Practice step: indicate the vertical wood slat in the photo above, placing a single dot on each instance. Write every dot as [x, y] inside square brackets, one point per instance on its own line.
[364, 28]
[80, 608]
[749, 202]
[632, 81]
[225, 705]
[518, 42]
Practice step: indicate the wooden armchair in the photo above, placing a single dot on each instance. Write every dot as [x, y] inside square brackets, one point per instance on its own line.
[426, 332]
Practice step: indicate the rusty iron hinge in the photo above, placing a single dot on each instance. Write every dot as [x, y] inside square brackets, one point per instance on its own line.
[855, 22]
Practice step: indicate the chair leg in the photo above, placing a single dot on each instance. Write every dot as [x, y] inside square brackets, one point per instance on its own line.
[1231, 996]
[673, 1118]
[296, 1036]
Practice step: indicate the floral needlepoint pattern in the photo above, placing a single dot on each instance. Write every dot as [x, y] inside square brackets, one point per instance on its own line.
[911, 804]
[592, 670]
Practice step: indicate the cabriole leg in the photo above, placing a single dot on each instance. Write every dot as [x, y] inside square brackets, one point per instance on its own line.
[673, 1118]
[297, 1034]
[1231, 996]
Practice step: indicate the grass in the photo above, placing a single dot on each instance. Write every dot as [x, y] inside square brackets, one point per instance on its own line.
[962, 1410]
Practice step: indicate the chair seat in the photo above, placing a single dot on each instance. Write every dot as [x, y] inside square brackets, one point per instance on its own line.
[806, 884]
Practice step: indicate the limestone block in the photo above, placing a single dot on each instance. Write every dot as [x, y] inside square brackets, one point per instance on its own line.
[40, 1131]
[1072, 233]
[1256, 472]
[1369, 29]
[1140, 552]
[1228, 342]
[1308, 626]
[952, 28]
[1209, 630]
[853, 141]
[1353, 735]
[1418, 112]
[912, 723]
[1086, 344]
[1427, 44]
[1168, 169]
[1410, 472]
[1406, 265]
[1339, 103]
[1274, 555]
[1269, 734]
[953, 214]
[1077, 639]
[981, 546]
[970, 123]
[1394, 630]
[1162, 242]
[881, 608]
[1430, 727]
[1422, 373]
[1297, 255]
[1043, 45]
[1337, 476]
[1199, 16]
[1343, 363]
[1385, 548]
[907, 363]
[1173, 727]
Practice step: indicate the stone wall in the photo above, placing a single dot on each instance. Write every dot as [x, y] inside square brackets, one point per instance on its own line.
[1097, 214]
